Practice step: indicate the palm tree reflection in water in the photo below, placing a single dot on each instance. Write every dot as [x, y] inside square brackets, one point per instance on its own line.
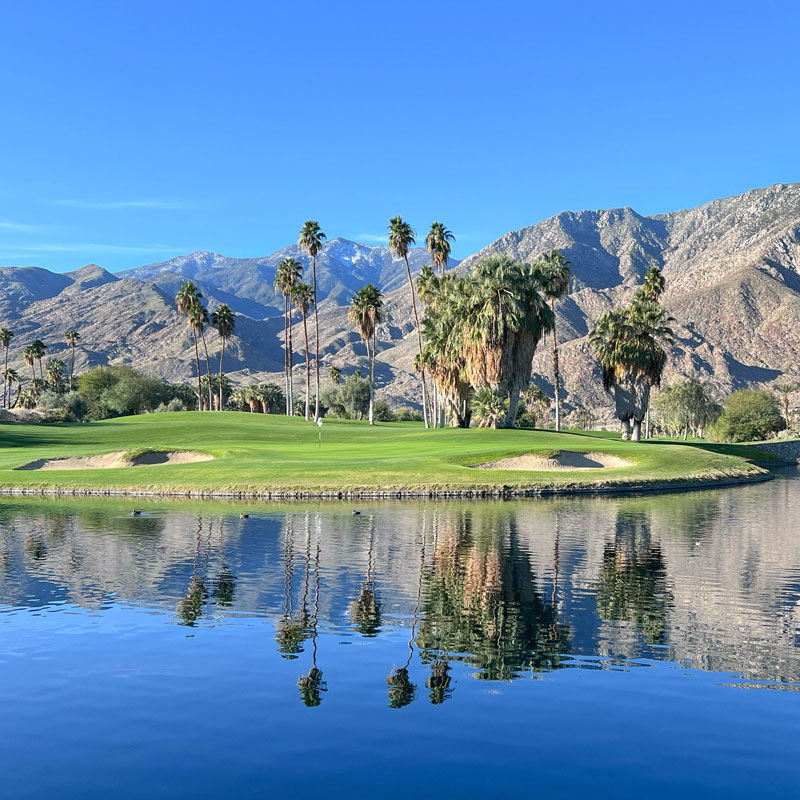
[312, 685]
[401, 690]
[190, 607]
[365, 610]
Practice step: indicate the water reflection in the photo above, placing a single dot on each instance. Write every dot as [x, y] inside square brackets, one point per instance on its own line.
[506, 589]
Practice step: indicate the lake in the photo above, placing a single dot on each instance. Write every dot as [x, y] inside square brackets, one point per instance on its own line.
[590, 646]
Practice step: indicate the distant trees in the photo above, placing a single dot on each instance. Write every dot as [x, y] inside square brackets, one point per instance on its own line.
[686, 407]
[784, 387]
[119, 391]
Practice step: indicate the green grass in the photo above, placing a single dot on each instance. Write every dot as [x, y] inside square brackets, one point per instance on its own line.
[265, 453]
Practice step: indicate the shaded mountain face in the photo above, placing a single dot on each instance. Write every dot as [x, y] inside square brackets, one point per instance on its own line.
[732, 270]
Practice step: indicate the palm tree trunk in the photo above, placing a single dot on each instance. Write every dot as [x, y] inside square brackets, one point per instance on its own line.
[197, 362]
[6, 389]
[291, 359]
[308, 364]
[636, 432]
[371, 358]
[208, 373]
[72, 367]
[221, 356]
[285, 356]
[419, 340]
[556, 376]
[513, 405]
[316, 339]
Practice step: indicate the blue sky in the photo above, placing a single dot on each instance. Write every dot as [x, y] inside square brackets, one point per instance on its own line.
[133, 132]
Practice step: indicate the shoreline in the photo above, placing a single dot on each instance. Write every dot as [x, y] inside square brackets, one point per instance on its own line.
[407, 493]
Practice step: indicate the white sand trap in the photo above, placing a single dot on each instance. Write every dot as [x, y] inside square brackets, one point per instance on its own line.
[118, 459]
[565, 460]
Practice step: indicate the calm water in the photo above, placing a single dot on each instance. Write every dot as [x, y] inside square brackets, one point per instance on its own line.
[604, 647]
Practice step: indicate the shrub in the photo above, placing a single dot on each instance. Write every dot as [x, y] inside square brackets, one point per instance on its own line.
[408, 415]
[118, 391]
[749, 415]
[382, 411]
[67, 407]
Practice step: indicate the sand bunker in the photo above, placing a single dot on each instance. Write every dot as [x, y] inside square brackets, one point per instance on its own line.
[565, 460]
[118, 459]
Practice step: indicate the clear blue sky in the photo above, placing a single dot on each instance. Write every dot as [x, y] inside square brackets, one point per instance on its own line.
[131, 132]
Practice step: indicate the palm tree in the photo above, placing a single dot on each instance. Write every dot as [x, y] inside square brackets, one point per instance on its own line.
[555, 277]
[5, 339]
[271, 397]
[506, 314]
[364, 314]
[631, 345]
[303, 297]
[198, 319]
[401, 237]
[55, 373]
[784, 388]
[189, 296]
[286, 277]
[536, 401]
[39, 351]
[653, 286]
[335, 375]
[239, 398]
[488, 407]
[29, 356]
[72, 337]
[10, 377]
[311, 240]
[438, 243]
[224, 320]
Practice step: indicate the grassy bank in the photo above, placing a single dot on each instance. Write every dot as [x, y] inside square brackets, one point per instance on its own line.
[274, 455]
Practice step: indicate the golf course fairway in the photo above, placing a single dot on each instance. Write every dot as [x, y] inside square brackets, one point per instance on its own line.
[273, 456]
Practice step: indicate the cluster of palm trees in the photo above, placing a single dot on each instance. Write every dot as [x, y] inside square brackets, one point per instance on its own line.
[260, 398]
[50, 375]
[481, 331]
[632, 345]
[190, 303]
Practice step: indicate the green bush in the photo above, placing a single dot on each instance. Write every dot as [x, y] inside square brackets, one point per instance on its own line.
[408, 415]
[119, 391]
[749, 415]
[382, 411]
[68, 407]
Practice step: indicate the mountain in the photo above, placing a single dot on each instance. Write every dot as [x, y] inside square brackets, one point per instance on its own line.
[732, 270]
[245, 284]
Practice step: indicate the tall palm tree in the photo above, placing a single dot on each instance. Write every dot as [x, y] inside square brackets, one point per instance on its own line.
[29, 355]
[10, 377]
[224, 320]
[288, 274]
[311, 240]
[784, 388]
[5, 339]
[438, 242]
[198, 319]
[188, 296]
[555, 275]
[303, 298]
[631, 345]
[401, 237]
[39, 351]
[364, 314]
[55, 373]
[72, 337]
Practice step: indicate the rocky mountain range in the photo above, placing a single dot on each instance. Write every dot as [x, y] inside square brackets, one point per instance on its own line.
[732, 270]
